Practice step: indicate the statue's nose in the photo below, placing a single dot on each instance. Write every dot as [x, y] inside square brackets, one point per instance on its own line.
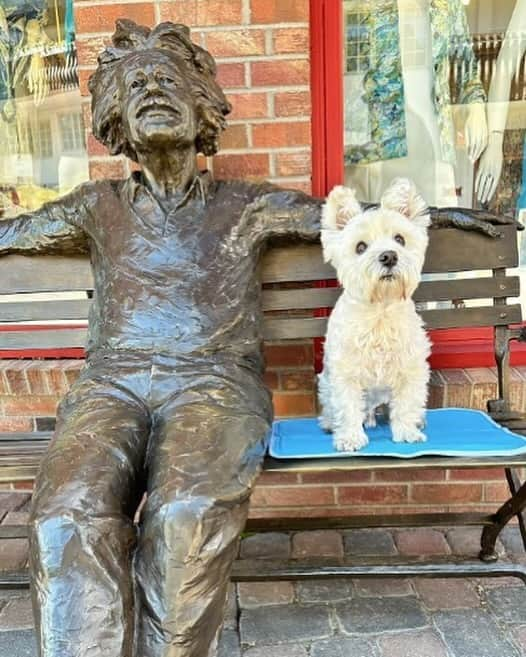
[152, 84]
[388, 258]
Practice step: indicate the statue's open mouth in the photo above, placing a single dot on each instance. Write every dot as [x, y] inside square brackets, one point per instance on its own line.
[159, 108]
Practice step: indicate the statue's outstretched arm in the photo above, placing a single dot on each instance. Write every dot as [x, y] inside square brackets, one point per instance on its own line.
[54, 229]
[283, 212]
[286, 213]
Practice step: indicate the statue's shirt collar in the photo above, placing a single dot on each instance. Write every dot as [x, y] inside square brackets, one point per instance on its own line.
[154, 212]
[137, 188]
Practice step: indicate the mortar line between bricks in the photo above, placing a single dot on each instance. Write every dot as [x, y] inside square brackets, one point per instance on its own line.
[246, 59]
[270, 88]
[269, 42]
[300, 118]
[105, 3]
[265, 59]
[268, 119]
[293, 179]
[270, 149]
[272, 165]
[252, 27]
[247, 77]
[246, 12]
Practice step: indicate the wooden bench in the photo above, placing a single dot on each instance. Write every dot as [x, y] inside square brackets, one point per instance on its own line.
[291, 314]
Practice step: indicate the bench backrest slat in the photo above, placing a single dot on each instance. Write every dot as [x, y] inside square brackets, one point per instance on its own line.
[449, 250]
[466, 288]
[42, 311]
[44, 274]
[312, 327]
[290, 312]
[43, 339]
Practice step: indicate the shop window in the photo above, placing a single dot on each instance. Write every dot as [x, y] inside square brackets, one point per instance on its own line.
[71, 132]
[44, 140]
[42, 143]
[439, 96]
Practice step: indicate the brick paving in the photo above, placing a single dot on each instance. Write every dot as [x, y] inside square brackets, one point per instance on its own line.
[345, 618]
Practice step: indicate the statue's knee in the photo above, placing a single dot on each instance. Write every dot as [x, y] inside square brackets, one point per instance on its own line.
[194, 525]
[187, 515]
[51, 534]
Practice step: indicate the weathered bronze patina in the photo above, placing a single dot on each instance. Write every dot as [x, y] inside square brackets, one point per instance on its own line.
[171, 400]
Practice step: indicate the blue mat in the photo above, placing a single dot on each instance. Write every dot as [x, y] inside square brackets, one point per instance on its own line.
[449, 431]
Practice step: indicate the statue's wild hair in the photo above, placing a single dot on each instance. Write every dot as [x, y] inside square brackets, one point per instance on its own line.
[172, 41]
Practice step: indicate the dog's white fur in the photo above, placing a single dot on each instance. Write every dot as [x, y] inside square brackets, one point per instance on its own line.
[376, 348]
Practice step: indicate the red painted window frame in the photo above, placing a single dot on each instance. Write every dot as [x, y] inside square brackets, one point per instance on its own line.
[453, 347]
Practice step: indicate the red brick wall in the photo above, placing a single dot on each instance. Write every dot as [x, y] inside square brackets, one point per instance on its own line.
[262, 51]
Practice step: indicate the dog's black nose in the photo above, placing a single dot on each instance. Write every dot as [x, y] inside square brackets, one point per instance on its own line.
[388, 258]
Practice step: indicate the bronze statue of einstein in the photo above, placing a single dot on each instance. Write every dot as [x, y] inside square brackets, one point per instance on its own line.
[171, 401]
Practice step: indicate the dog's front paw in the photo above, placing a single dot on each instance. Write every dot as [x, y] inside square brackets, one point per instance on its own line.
[350, 441]
[405, 434]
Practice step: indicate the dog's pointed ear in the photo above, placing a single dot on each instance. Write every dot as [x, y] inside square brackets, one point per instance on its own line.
[341, 206]
[403, 197]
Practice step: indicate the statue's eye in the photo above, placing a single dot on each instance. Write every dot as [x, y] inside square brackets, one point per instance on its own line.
[400, 239]
[360, 247]
[137, 84]
[166, 81]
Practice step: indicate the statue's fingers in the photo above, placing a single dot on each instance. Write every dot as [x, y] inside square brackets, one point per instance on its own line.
[486, 228]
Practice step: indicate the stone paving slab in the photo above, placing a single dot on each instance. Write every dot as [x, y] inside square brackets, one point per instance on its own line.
[474, 633]
[413, 644]
[284, 624]
[374, 615]
[484, 617]
[508, 604]
[345, 647]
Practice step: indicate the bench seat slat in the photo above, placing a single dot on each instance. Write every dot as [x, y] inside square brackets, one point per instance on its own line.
[24, 467]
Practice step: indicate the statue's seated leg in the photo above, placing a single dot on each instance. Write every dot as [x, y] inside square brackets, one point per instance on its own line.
[203, 461]
[81, 531]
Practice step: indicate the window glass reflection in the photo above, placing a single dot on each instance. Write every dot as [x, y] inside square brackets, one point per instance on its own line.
[42, 149]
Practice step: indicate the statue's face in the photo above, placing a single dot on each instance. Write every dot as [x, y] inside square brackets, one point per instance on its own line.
[158, 106]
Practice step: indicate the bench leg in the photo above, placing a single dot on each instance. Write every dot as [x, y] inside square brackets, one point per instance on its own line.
[513, 507]
[514, 484]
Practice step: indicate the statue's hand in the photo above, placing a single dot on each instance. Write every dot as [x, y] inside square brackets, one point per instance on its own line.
[466, 219]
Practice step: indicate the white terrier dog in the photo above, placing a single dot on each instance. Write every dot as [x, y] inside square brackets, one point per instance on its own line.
[376, 348]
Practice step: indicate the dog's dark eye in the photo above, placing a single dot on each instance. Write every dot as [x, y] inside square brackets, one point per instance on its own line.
[360, 247]
[400, 239]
